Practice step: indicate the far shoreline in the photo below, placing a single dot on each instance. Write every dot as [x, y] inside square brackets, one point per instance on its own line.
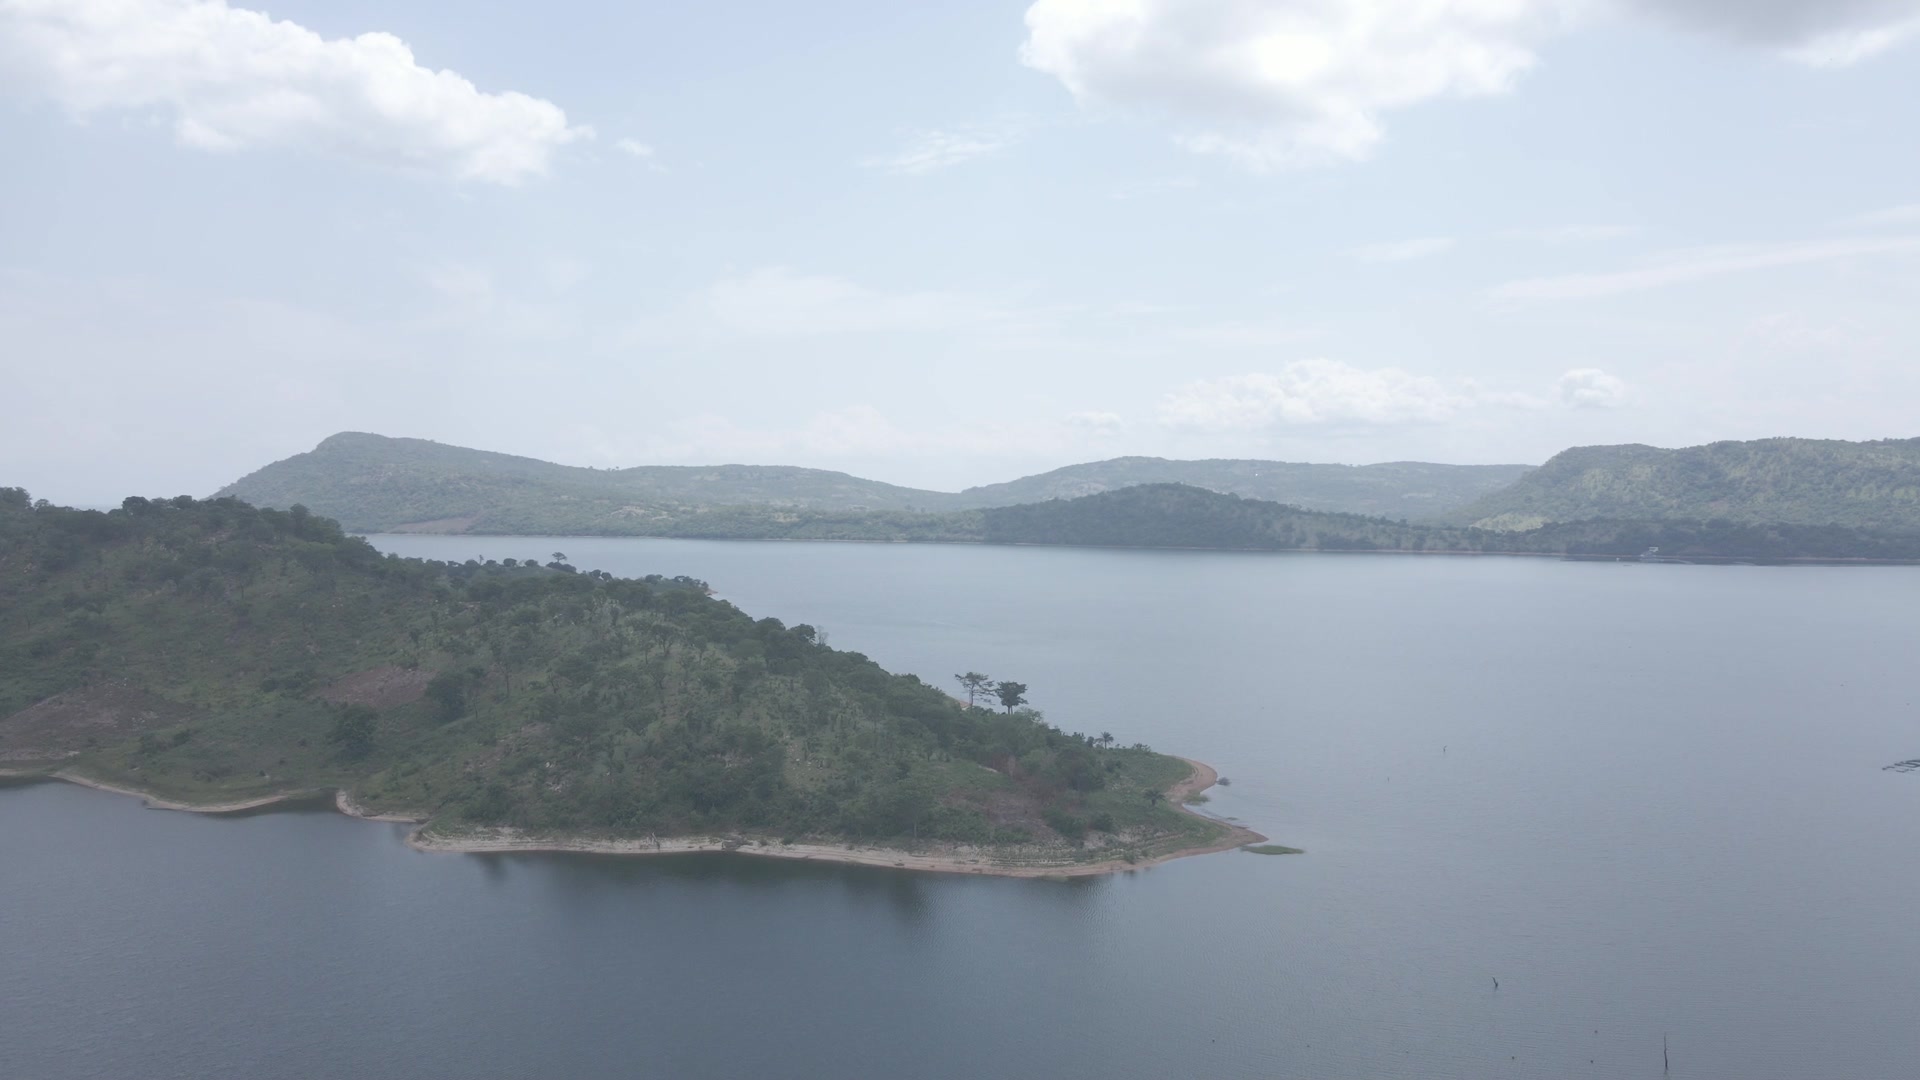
[1689, 560]
[945, 858]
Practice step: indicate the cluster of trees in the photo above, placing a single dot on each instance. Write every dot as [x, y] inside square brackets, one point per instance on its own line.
[978, 687]
[542, 697]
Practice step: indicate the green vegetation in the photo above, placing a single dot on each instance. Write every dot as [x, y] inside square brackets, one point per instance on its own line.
[1272, 849]
[1782, 499]
[208, 651]
[373, 484]
[1864, 485]
[1169, 515]
[1409, 489]
[370, 483]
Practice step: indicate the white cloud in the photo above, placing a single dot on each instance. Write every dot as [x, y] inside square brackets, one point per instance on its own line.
[1822, 33]
[1891, 217]
[1317, 391]
[1591, 388]
[1844, 47]
[1331, 394]
[1403, 250]
[229, 78]
[1096, 423]
[641, 152]
[1280, 83]
[1685, 267]
[1274, 84]
[931, 151]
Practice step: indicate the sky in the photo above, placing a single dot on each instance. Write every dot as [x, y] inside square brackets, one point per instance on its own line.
[946, 245]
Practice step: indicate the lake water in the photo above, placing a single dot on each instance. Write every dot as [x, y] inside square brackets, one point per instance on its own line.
[1647, 799]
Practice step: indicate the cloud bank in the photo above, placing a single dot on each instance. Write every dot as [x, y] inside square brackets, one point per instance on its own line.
[1274, 84]
[229, 79]
[1282, 83]
[1332, 394]
[1699, 264]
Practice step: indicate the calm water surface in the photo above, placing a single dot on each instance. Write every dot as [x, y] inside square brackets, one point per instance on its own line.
[1647, 799]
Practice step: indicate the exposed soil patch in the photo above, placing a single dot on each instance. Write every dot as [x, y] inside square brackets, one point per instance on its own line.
[381, 687]
[67, 723]
[1010, 809]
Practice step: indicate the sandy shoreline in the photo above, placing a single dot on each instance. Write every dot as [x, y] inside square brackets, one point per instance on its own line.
[945, 858]
[155, 802]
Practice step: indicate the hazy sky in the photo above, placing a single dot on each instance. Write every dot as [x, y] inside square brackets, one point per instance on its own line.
[948, 244]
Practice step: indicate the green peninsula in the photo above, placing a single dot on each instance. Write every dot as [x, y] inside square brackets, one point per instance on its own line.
[211, 654]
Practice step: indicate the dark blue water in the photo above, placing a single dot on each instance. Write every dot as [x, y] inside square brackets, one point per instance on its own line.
[1648, 799]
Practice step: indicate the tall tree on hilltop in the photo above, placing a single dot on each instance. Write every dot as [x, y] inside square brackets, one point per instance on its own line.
[976, 685]
[1011, 694]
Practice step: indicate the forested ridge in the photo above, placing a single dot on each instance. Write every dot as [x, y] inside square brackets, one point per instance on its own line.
[208, 651]
[1813, 482]
[1169, 515]
[1180, 516]
[371, 483]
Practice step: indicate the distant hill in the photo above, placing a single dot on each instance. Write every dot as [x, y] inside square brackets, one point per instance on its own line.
[1174, 516]
[1398, 489]
[373, 483]
[1182, 516]
[1872, 485]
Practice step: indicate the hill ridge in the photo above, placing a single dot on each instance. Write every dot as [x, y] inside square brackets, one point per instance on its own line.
[373, 482]
[1779, 480]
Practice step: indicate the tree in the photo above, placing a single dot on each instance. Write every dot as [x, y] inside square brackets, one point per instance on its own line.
[448, 692]
[976, 685]
[353, 730]
[1011, 694]
[1106, 739]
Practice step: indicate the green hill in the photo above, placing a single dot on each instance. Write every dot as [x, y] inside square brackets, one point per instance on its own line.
[1871, 485]
[1171, 515]
[1180, 516]
[370, 483]
[1399, 489]
[210, 652]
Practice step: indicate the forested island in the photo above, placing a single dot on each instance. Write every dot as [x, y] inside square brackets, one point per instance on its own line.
[212, 655]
